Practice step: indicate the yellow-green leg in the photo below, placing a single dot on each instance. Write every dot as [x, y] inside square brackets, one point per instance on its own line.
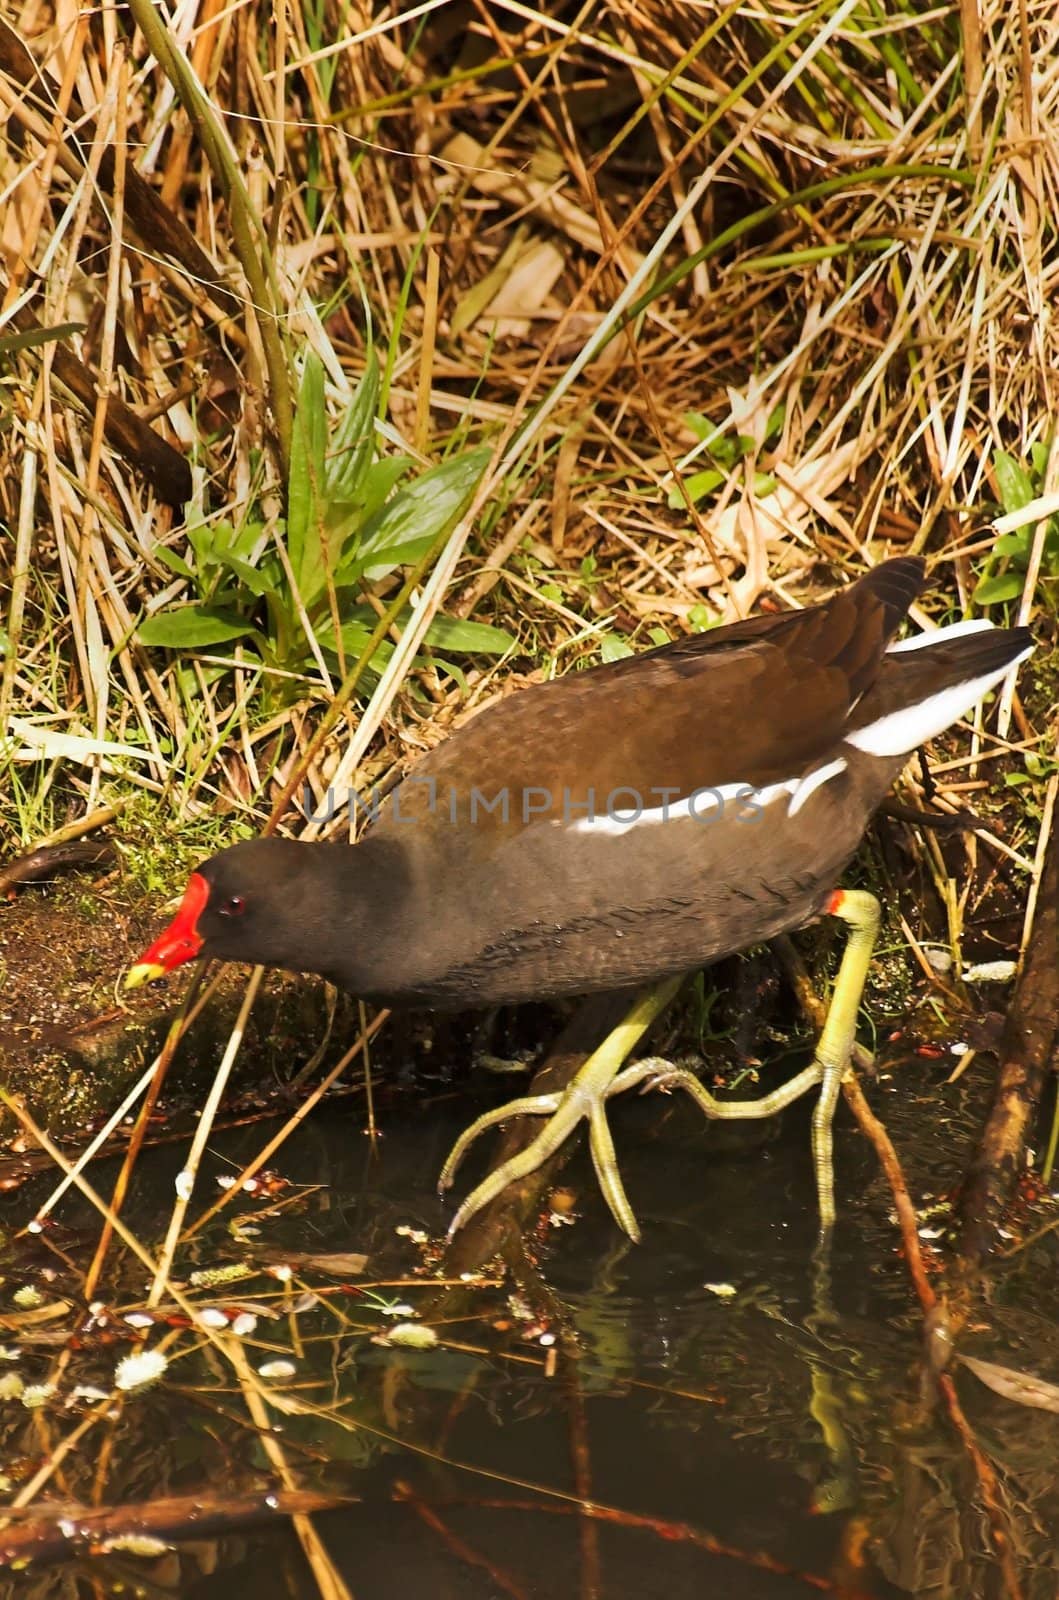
[600, 1078]
[861, 911]
[583, 1097]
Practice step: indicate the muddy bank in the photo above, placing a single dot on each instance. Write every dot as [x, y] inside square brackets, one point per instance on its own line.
[71, 1040]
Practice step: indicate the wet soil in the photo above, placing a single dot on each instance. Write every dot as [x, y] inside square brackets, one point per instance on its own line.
[71, 1039]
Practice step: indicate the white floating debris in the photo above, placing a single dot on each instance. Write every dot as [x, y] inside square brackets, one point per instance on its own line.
[723, 1291]
[244, 1324]
[11, 1386]
[990, 972]
[414, 1335]
[35, 1395]
[277, 1369]
[28, 1298]
[210, 1317]
[939, 961]
[139, 1319]
[140, 1369]
[960, 1048]
[184, 1184]
[136, 1544]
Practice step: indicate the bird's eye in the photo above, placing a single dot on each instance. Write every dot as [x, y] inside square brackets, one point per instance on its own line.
[233, 907]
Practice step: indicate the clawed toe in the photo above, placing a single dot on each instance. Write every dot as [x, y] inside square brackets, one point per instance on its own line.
[578, 1102]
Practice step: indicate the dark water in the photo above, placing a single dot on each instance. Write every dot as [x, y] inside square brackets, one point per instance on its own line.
[711, 1387]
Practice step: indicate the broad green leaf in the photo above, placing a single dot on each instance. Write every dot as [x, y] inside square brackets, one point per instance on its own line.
[380, 480]
[200, 538]
[704, 430]
[1040, 453]
[352, 449]
[615, 648]
[346, 518]
[305, 485]
[242, 542]
[444, 633]
[698, 485]
[419, 513]
[356, 631]
[251, 577]
[192, 626]
[459, 677]
[475, 638]
[170, 559]
[1014, 544]
[992, 591]
[1013, 481]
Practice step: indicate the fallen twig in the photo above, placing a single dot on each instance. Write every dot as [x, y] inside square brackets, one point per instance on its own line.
[64, 1531]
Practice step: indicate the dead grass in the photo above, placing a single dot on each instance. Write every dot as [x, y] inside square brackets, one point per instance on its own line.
[841, 237]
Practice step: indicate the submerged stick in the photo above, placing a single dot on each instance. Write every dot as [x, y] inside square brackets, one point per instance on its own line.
[1031, 1033]
[58, 1531]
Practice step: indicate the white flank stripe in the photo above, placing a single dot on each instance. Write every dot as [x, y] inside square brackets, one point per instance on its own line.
[899, 733]
[955, 630]
[703, 805]
[812, 781]
[707, 804]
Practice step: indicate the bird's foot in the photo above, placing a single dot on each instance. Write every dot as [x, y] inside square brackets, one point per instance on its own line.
[656, 1073]
[579, 1101]
[583, 1099]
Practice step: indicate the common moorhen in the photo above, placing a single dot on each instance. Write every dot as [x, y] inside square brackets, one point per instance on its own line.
[618, 826]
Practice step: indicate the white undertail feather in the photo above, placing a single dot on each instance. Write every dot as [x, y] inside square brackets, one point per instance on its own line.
[955, 630]
[899, 733]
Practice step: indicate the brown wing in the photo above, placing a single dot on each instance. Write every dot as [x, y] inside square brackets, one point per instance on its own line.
[753, 703]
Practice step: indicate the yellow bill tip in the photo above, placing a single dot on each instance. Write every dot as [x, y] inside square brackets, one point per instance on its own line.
[143, 972]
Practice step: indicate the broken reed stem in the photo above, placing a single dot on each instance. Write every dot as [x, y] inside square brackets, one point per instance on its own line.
[177, 1029]
[186, 1179]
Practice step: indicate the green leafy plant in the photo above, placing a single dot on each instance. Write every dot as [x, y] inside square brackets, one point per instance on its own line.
[1017, 486]
[724, 452]
[351, 522]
